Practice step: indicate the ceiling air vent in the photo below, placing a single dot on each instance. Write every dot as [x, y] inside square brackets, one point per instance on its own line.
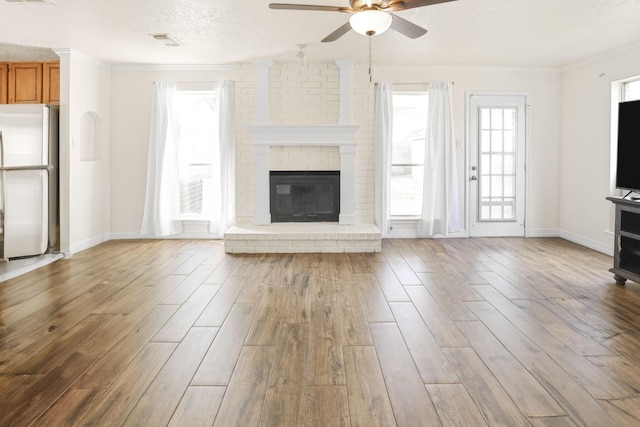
[167, 39]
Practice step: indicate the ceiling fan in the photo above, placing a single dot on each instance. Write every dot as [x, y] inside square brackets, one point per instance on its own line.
[369, 17]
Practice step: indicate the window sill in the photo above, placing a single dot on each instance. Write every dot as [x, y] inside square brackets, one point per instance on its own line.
[193, 218]
[405, 218]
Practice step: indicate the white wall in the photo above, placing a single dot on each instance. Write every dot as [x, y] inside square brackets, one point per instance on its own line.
[586, 141]
[543, 88]
[310, 95]
[84, 185]
[90, 93]
[131, 95]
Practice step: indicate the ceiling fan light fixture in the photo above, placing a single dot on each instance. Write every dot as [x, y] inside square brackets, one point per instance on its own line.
[370, 22]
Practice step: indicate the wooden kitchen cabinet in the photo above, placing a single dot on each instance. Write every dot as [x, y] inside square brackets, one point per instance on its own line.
[51, 83]
[4, 82]
[25, 83]
[30, 83]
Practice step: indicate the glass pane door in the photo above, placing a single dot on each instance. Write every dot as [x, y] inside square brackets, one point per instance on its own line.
[497, 164]
[497, 177]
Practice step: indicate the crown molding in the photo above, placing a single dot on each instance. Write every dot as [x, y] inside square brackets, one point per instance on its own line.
[176, 67]
[603, 56]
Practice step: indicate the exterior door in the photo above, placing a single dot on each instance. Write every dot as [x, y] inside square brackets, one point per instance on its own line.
[497, 182]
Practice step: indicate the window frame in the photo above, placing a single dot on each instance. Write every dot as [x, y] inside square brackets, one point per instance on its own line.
[408, 221]
[623, 87]
[196, 88]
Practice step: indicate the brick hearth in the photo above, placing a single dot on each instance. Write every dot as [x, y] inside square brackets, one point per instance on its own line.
[302, 238]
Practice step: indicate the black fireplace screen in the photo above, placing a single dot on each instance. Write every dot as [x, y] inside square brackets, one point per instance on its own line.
[304, 196]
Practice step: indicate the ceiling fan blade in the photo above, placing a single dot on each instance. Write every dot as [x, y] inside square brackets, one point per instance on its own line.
[337, 33]
[407, 28]
[410, 4]
[287, 6]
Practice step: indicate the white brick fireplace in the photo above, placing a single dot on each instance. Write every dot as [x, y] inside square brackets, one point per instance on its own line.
[262, 236]
[267, 136]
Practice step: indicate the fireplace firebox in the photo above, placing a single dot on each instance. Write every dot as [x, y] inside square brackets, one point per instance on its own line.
[304, 196]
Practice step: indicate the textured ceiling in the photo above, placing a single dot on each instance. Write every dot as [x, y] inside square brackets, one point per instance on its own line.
[531, 33]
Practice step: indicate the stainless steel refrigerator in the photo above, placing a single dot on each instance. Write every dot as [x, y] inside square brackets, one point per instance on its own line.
[28, 179]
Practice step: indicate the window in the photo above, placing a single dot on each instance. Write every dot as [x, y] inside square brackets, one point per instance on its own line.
[407, 152]
[197, 141]
[631, 90]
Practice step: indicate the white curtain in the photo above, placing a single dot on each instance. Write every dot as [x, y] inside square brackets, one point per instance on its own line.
[161, 215]
[225, 216]
[383, 126]
[440, 207]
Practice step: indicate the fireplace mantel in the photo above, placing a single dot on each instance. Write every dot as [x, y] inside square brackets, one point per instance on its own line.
[267, 136]
[307, 136]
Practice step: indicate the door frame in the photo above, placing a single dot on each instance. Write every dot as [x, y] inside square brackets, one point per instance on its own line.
[468, 160]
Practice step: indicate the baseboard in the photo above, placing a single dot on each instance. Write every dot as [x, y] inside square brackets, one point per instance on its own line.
[95, 241]
[460, 234]
[586, 242]
[407, 234]
[136, 235]
[543, 232]
[88, 243]
[132, 235]
[408, 228]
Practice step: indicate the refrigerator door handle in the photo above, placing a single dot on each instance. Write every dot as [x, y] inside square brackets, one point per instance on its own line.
[1, 150]
[27, 168]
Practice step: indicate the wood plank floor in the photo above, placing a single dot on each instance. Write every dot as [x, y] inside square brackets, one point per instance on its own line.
[464, 332]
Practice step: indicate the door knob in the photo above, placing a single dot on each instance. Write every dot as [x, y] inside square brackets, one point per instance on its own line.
[474, 178]
[473, 168]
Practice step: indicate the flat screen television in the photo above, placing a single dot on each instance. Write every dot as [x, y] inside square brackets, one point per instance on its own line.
[628, 166]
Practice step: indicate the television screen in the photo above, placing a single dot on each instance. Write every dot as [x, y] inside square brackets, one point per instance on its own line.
[628, 169]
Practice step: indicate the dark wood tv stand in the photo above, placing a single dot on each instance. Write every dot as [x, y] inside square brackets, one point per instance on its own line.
[626, 250]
